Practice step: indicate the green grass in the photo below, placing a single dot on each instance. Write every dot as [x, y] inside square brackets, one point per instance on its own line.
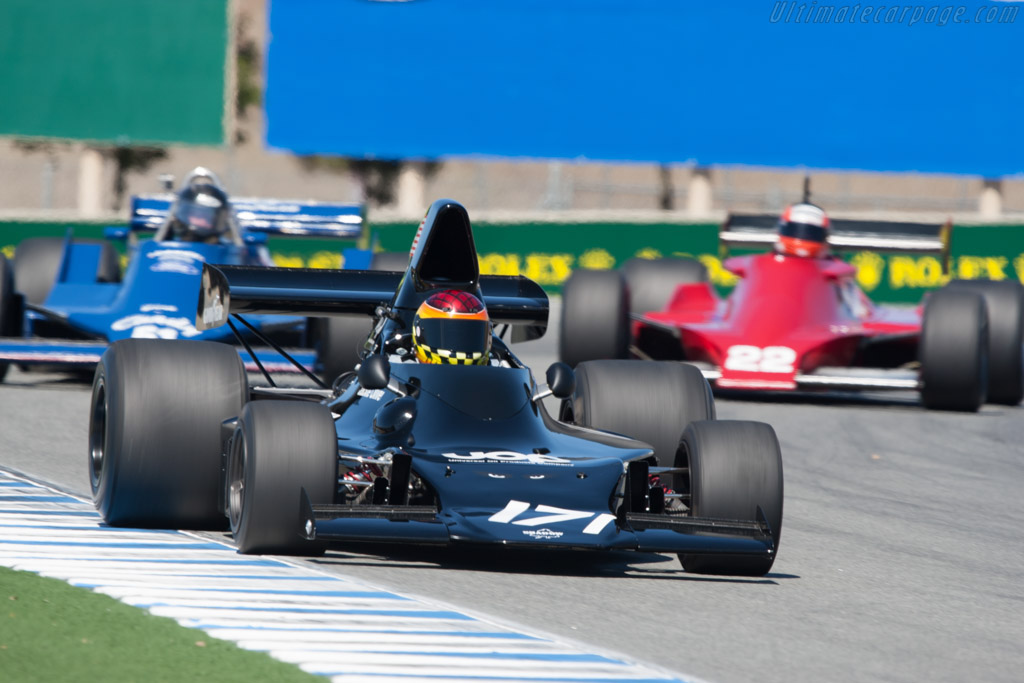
[51, 631]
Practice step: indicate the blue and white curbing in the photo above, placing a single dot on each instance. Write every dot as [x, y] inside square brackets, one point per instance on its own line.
[325, 624]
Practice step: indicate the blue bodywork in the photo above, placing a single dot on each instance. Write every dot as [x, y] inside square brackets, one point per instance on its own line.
[446, 453]
[157, 296]
[503, 470]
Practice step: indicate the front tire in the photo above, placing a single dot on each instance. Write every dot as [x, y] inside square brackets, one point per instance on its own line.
[647, 400]
[595, 317]
[155, 431]
[733, 468]
[278, 449]
[954, 351]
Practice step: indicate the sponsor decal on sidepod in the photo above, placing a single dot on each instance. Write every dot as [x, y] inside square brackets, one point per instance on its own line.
[508, 457]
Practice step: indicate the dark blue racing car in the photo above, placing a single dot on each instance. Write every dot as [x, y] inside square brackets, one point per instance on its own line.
[440, 437]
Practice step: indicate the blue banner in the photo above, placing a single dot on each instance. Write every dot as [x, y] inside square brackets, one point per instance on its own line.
[927, 88]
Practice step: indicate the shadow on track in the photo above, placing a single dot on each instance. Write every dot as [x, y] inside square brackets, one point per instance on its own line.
[551, 562]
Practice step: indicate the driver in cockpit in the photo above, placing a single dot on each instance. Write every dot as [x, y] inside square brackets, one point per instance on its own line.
[452, 327]
[201, 213]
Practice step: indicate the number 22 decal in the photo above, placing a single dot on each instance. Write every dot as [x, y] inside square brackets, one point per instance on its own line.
[756, 359]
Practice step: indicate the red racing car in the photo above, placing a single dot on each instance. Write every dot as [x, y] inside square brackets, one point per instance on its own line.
[798, 321]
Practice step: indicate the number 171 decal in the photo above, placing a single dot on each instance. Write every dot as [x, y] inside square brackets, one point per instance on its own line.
[756, 359]
[549, 515]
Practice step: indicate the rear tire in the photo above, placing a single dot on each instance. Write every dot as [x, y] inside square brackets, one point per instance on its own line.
[109, 269]
[595, 317]
[37, 260]
[734, 467]
[280, 448]
[1004, 306]
[954, 350]
[155, 431]
[652, 282]
[338, 340]
[647, 400]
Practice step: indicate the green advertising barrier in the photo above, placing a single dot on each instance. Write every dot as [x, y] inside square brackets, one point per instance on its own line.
[548, 252]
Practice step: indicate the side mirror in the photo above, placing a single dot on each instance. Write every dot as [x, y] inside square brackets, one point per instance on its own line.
[394, 420]
[561, 380]
[375, 372]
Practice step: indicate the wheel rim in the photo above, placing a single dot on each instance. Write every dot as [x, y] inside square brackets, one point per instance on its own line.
[97, 434]
[236, 479]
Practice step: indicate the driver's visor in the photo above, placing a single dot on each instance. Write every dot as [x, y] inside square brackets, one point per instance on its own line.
[803, 231]
[452, 335]
[197, 216]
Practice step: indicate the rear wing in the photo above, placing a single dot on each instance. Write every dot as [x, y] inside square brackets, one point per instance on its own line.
[510, 299]
[754, 230]
[268, 216]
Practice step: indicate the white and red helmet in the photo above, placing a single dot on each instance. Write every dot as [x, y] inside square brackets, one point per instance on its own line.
[803, 231]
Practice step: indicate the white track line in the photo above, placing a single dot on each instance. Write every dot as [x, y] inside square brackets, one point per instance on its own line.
[325, 624]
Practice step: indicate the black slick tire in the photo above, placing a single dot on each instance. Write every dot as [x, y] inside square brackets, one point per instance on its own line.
[155, 431]
[954, 350]
[649, 401]
[37, 260]
[278, 449]
[1004, 306]
[733, 468]
[109, 268]
[338, 340]
[595, 317]
[652, 282]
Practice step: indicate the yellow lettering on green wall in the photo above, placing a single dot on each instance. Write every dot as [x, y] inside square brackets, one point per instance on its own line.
[870, 267]
[982, 267]
[286, 261]
[325, 259]
[597, 259]
[544, 269]
[647, 252]
[921, 272]
[719, 275]
[548, 269]
[499, 264]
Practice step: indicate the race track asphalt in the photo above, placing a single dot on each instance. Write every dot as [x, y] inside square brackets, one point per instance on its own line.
[901, 556]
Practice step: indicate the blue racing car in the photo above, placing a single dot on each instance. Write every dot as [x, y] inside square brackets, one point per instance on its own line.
[63, 301]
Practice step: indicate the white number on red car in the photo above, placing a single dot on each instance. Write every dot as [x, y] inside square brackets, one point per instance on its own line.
[745, 358]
